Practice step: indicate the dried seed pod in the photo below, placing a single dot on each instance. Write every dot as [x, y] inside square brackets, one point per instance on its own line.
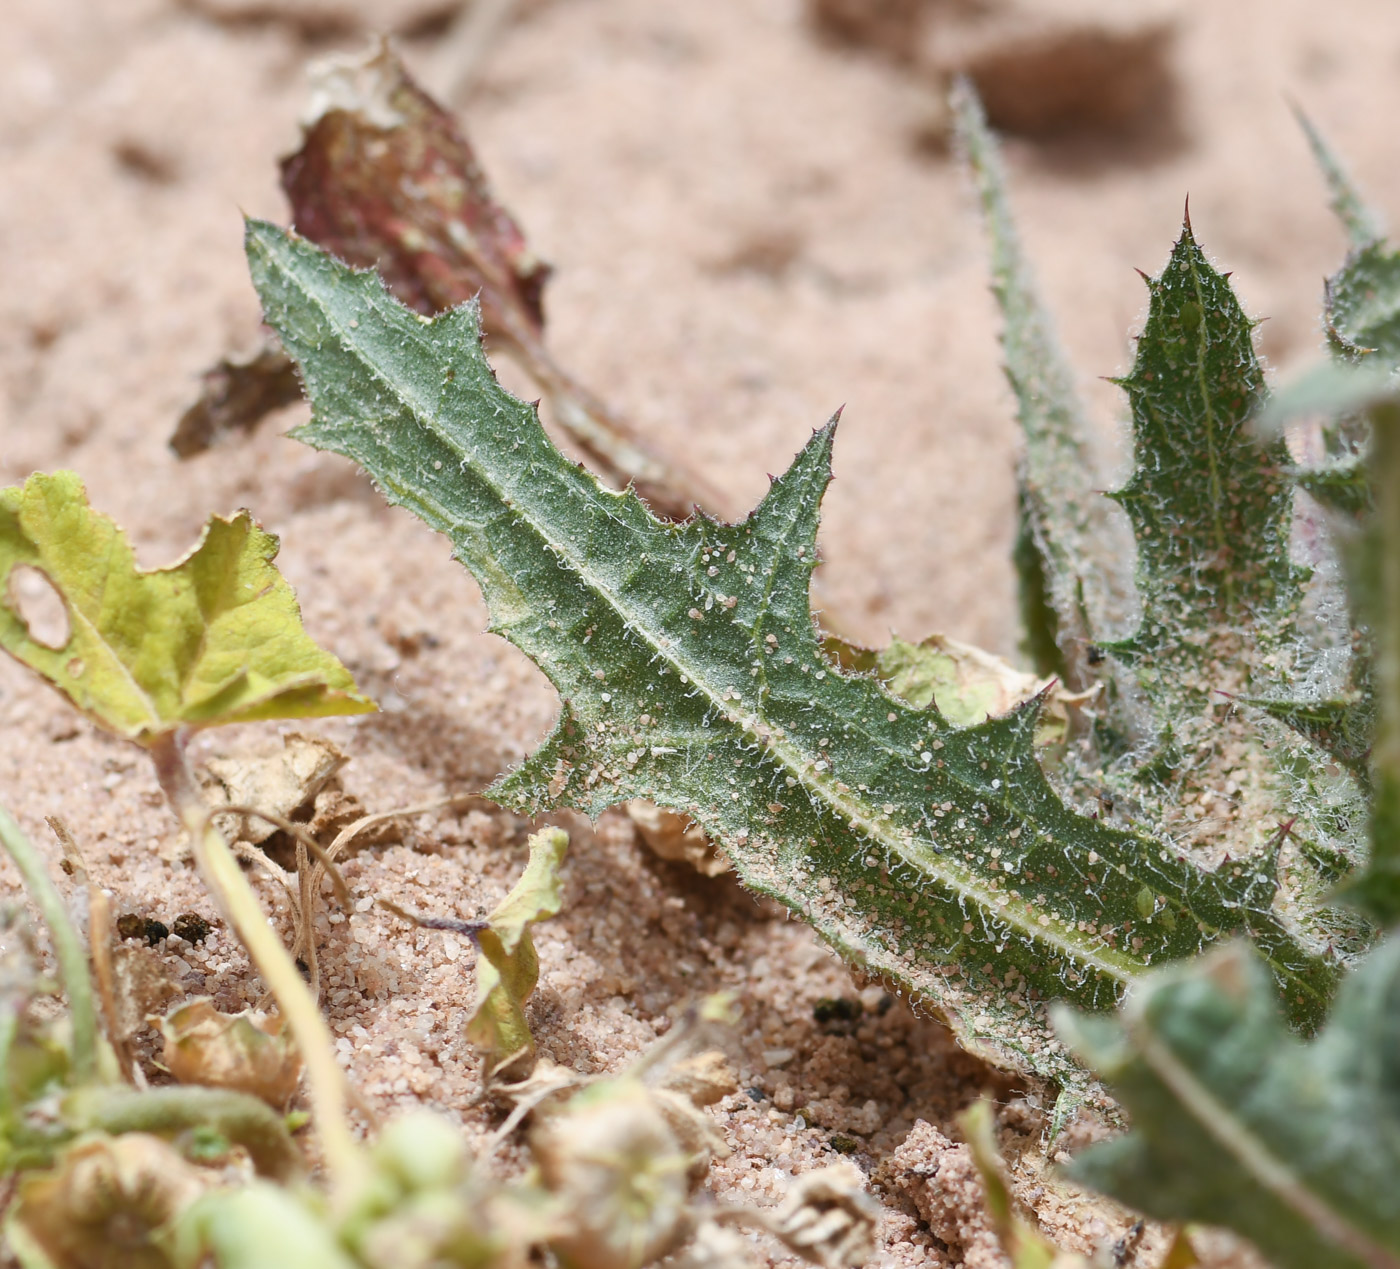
[620, 1175]
[828, 1218]
[107, 1203]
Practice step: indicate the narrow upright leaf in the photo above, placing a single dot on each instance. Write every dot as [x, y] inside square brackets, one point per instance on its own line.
[1211, 505]
[1357, 218]
[692, 675]
[1073, 532]
[1238, 1123]
[1376, 588]
[215, 638]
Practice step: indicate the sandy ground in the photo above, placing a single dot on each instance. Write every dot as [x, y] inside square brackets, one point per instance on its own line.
[748, 234]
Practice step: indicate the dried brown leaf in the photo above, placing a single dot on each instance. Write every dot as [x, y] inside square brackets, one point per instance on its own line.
[676, 837]
[247, 1052]
[386, 179]
[281, 783]
[235, 395]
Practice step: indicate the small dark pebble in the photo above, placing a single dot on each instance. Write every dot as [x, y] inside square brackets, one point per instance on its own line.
[756, 1094]
[836, 1009]
[131, 926]
[843, 1144]
[191, 927]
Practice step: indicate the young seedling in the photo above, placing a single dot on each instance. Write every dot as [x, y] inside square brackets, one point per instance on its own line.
[150, 655]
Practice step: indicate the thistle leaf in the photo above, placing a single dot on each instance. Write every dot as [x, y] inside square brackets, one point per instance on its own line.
[508, 969]
[215, 638]
[1223, 623]
[1363, 305]
[1238, 1123]
[1343, 726]
[691, 671]
[1212, 535]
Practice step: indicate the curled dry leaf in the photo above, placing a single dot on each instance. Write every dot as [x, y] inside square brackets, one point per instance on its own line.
[676, 837]
[386, 179]
[964, 683]
[107, 1202]
[235, 395]
[282, 783]
[507, 967]
[248, 1052]
[685, 1088]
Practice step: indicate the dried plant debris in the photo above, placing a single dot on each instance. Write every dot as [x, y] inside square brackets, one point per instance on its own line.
[235, 396]
[386, 179]
[108, 1202]
[285, 784]
[249, 1051]
[1085, 68]
[676, 837]
[828, 1218]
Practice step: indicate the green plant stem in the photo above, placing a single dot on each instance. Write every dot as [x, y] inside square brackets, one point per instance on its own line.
[240, 1117]
[325, 1081]
[67, 946]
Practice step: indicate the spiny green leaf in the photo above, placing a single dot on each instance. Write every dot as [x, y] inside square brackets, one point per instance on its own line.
[1363, 305]
[1344, 726]
[1237, 1123]
[1068, 526]
[215, 638]
[1375, 578]
[1210, 506]
[507, 969]
[692, 675]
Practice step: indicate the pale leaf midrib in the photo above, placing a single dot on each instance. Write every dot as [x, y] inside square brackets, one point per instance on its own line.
[1255, 1157]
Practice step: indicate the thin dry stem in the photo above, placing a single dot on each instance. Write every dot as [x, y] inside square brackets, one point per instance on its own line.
[327, 1085]
[309, 878]
[100, 949]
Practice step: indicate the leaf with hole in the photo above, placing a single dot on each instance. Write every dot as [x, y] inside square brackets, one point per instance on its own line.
[215, 638]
